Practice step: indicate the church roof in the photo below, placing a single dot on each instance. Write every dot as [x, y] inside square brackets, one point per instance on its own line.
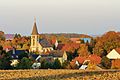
[34, 31]
[45, 43]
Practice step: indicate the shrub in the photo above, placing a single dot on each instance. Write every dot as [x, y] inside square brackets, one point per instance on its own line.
[25, 63]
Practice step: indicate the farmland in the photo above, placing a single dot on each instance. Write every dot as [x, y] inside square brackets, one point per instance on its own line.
[59, 75]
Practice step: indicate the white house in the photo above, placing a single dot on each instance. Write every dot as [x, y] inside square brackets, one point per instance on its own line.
[114, 54]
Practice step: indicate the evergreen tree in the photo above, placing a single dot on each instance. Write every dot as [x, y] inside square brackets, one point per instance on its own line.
[4, 59]
[106, 62]
[56, 64]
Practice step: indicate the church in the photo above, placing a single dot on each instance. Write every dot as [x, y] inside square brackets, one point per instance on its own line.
[39, 45]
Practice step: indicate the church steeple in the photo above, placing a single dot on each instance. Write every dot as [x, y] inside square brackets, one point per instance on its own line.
[34, 31]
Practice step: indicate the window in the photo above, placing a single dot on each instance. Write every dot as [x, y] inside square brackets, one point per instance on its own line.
[33, 42]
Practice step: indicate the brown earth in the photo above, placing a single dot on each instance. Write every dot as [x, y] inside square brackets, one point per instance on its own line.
[59, 75]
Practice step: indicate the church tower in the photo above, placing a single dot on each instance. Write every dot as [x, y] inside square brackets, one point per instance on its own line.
[34, 38]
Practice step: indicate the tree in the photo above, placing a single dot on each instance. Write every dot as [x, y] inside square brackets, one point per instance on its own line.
[69, 56]
[66, 65]
[107, 42]
[2, 37]
[25, 63]
[106, 62]
[91, 45]
[56, 64]
[4, 59]
[17, 35]
[83, 50]
[46, 64]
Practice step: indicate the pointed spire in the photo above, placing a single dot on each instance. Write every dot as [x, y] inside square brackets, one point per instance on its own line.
[34, 31]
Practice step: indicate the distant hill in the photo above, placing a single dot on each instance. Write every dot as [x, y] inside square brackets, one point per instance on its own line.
[68, 35]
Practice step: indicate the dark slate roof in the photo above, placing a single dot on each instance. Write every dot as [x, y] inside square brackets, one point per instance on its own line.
[17, 52]
[45, 55]
[57, 53]
[45, 43]
[34, 56]
[34, 31]
[54, 53]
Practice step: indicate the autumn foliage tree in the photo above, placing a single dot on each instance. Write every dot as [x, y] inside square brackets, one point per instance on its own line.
[106, 43]
[83, 50]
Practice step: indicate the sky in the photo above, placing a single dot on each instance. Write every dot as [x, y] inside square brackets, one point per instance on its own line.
[91, 17]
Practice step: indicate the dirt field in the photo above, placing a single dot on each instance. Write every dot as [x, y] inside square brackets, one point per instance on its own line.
[58, 75]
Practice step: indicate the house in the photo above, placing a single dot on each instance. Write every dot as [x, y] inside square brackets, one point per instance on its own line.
[7, 48]
[54, 42]
[114, 54]
[75, 40]
[14, 62]
[15, 53]
[94, 59]
[39, 45]
[36, 65]
[15, 56]
[82, 62]
[54, 54]
[60, 55]
[86, 40]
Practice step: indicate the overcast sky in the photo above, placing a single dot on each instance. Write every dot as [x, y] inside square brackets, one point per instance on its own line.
[55, 16]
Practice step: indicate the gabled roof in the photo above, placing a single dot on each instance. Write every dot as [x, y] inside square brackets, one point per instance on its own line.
[7, 47]
[94, 58]
[114, 54]
[44, 43]
[57, 53]
[34, 31]
[54, 53]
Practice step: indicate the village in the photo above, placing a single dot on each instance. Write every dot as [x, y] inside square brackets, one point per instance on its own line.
[59, 51]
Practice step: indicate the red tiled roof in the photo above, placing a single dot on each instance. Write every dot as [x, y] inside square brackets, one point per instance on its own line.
[70, 46]
[118, 50]
[79, 59]
[94, 59]
[74, 39]
[9, 47]
[53, 41]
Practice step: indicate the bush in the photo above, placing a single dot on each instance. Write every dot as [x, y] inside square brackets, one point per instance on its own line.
[45, 64]
[66, 65]
[25, 63]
